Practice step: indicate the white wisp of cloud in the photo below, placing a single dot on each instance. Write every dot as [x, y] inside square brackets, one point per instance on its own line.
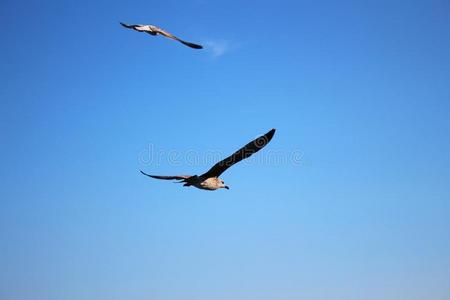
[217, 48]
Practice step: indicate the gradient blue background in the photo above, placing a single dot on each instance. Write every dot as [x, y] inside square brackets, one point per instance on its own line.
[360, 88]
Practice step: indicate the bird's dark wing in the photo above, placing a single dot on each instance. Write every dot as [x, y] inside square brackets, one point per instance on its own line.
[176, 177]
[171, 36]
[164, 33]
[245, 152]
[192, 45]
[128, 26]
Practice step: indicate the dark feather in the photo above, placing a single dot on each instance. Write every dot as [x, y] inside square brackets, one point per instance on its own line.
[243, 153]
[192, 45]
[176, 177]
[127, 26]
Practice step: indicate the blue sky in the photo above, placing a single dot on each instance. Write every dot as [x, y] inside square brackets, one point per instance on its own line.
[358, 90]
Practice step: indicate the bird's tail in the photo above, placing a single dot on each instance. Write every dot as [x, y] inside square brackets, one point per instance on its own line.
[189, 181]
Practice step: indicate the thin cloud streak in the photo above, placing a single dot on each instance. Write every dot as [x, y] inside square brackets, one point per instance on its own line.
[217, 48]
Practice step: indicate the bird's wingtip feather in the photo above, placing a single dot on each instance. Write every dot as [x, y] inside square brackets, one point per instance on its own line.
[271, 132]
[145, 173]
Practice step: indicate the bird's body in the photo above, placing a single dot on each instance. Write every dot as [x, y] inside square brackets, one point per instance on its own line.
[143, 28]
[210, 180]
[210, 184]
[153, 30]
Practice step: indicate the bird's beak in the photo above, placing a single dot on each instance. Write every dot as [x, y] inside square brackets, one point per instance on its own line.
[227, 187]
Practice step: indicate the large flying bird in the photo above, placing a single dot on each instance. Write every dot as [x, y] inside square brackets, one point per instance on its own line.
[153, 30]
[210, 180]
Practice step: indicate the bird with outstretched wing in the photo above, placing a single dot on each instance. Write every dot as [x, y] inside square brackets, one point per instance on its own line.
[153, 30]
[210, 180]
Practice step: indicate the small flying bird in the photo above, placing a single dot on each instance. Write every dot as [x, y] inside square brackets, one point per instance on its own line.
[210, 180]
[153, 30]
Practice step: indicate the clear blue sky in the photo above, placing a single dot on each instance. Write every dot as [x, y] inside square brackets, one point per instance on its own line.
[360, 89]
